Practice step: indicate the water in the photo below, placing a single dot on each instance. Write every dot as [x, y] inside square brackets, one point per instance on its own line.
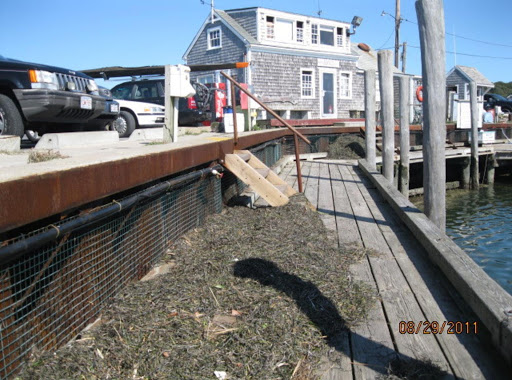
[480, 222]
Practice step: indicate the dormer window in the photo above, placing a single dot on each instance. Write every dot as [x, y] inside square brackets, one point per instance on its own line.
[339, 37]
[270, 27]
[326, 35]
[214, 38]
[314, 34]
[300, 31]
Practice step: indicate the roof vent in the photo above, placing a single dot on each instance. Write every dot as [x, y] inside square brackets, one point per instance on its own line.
[363, 47]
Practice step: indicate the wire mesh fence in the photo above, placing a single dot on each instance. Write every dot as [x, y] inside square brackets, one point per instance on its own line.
[49, 295]
[52, 293]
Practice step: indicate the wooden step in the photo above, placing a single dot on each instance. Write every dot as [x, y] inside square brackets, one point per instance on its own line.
[263, 172]
[254, 173]
[244, 156]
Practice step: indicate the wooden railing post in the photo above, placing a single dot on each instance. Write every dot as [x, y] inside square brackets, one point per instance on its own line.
[369, 113]
[433, 59]
[405, 99]
[295, 132]
[385, 63]
[475, 116]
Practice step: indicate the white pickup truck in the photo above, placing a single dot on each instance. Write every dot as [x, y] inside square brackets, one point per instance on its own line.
[137, 115]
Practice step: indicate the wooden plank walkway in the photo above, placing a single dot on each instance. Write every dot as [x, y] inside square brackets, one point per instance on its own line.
[408, 285]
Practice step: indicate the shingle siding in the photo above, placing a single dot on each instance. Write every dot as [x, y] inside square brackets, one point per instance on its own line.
[232, 50]
[457, 79]
[276, 79]
[247, 20]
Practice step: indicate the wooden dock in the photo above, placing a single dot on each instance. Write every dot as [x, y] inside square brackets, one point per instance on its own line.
[409, 287]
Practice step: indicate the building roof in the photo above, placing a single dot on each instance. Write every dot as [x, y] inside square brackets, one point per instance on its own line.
[473, 74]
[367, 59]
[235, 26]
[276, 10]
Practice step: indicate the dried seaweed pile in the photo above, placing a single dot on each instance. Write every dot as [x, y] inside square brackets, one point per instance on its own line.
[347, 146]
[257, 294]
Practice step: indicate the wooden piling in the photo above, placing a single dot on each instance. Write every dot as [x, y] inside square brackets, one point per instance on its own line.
[388, 123]
[491, 165]
[433, 58]
[465, 173]
[369, 111]
[475, 115]
[405, 83]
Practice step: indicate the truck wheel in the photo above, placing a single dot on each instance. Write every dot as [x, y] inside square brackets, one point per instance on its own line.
[10, 118]
[124, 124]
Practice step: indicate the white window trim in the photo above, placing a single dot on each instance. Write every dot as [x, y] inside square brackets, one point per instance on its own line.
[341, 96]
[208, 32]
[302, 69]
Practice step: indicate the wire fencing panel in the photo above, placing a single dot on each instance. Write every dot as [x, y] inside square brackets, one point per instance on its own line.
[48, 296]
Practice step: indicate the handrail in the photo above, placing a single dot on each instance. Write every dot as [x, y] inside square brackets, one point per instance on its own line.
[296, 133]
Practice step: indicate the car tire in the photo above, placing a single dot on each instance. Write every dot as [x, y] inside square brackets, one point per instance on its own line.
[33, 136]
[11, 122]
[124, 124]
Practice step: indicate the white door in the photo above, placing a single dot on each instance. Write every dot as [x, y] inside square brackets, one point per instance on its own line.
[328, 96]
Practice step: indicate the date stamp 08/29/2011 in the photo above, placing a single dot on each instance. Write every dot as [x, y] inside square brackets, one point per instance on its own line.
[435, 327]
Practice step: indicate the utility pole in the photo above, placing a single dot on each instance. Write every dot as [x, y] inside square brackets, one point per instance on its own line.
[404, 56]
[397, 34]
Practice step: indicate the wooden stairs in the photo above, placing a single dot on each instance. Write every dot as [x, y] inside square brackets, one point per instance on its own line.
[261, 179]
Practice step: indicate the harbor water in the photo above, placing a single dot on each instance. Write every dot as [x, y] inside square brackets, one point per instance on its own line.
[480, 222]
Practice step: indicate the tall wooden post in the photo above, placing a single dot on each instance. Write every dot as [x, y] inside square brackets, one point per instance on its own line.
[397, 33]
[433, 58]
[405, 99]
[369, 112]
[404, 56]
[388, 121]
[475, 116]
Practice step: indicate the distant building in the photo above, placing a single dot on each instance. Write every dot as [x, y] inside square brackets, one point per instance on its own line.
[457, 84]
[301, 66]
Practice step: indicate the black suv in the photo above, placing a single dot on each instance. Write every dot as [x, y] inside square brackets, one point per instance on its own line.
[44, 98]
[152, 91]
[493, 100]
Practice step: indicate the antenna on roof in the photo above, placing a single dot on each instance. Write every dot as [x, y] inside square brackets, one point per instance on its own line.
[212, 5]
[319, 13]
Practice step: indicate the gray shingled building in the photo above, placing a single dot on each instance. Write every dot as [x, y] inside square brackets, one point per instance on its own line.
[302, 66]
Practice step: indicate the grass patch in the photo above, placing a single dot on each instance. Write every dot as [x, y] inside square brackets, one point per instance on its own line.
[258, 294]
[43, 155]
[347, 146]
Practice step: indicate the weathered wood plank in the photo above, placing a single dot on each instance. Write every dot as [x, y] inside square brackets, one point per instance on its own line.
[311, 191]
[325, 199]
[464, 352]
[348, 233]
[398, 299]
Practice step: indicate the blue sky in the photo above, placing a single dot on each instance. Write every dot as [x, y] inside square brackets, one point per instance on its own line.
[90, 34]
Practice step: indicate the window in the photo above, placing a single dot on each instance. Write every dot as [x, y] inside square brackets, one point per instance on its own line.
[326, 35]
[300, 31]
[206, 78]
[307, 83]
[270, 27]
[314, 34]
[345, 85]
[339, 37]
[214, 38]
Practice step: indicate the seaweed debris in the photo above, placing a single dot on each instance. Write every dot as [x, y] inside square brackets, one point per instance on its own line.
[253, 294]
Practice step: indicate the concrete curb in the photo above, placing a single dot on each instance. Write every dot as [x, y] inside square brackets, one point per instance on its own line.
[489, 301]
[147, 134]
[77, 139]
[10, 143]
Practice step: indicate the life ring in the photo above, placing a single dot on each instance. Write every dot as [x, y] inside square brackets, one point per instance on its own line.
[419, 93]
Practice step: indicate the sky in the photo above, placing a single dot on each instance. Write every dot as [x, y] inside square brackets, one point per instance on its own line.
[80, 35]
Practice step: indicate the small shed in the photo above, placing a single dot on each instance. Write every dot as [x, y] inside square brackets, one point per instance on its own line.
[457, 87]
